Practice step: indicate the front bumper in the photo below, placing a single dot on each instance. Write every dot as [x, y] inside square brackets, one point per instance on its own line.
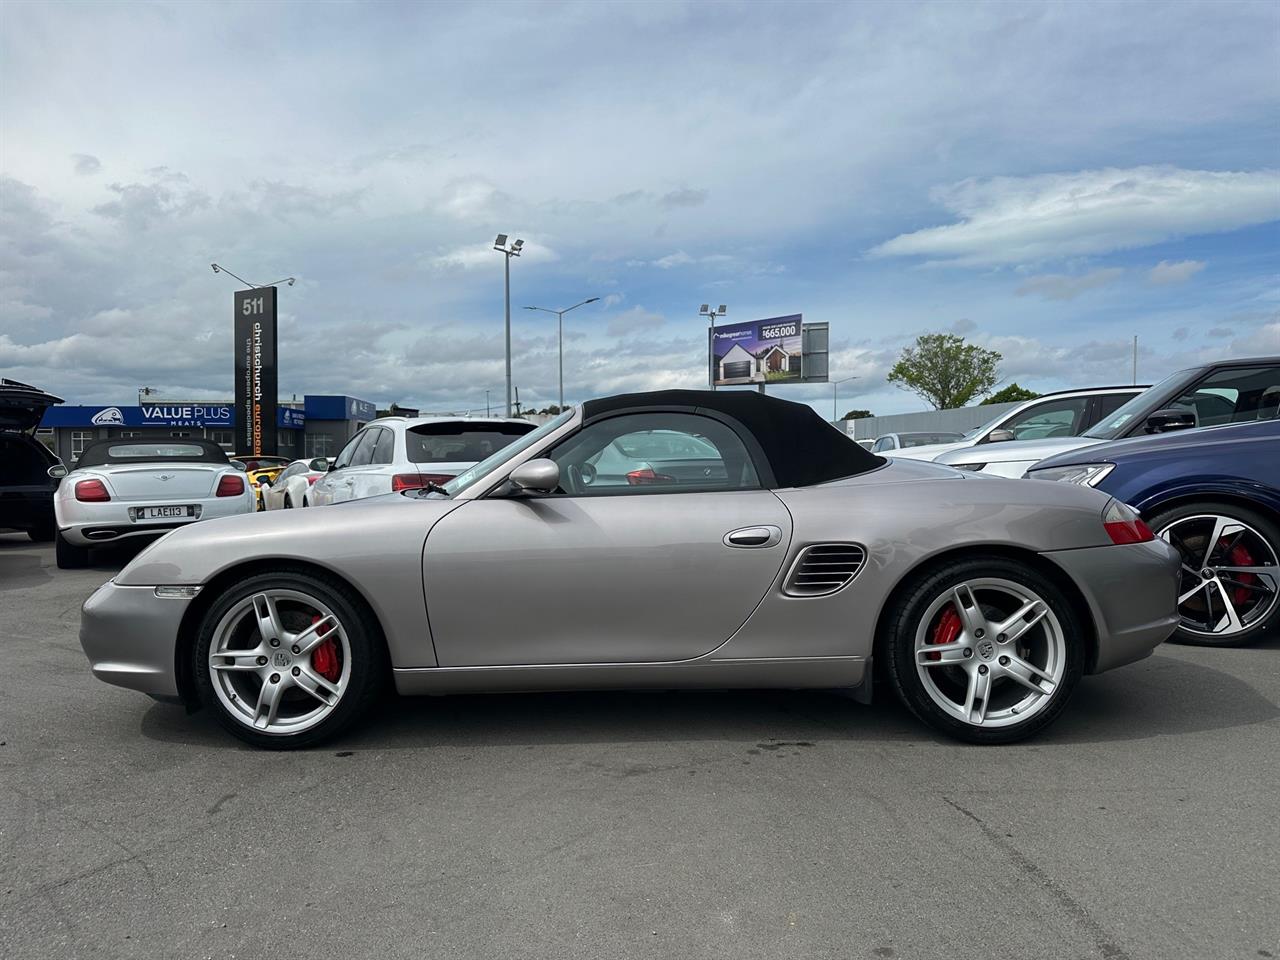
[130, 637]
[1132, 592]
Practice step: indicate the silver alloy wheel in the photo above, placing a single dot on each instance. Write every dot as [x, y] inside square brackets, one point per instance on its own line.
[261, 661]
[1219, 597]
[1006, 659]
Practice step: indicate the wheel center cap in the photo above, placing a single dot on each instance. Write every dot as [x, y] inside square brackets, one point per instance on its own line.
[986, 649]
[1207, 573]
[281, 659]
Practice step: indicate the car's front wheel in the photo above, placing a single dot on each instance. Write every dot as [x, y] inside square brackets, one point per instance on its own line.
[287, 660]
[69, 556]
[985, 649]
[1230, 589]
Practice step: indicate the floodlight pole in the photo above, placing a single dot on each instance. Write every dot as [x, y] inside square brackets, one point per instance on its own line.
[560, 324]
[835, 390]
[219, 268]
[711, 313]
[500, 244]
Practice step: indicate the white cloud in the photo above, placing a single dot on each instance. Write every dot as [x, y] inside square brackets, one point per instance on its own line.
[1167, 272]
[633, 321]
[85, 164]
[1058, 286]
[1021, 220]
[483, 255]
[677, 259]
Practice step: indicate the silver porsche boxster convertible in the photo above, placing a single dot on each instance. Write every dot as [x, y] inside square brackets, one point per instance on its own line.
[673, 539]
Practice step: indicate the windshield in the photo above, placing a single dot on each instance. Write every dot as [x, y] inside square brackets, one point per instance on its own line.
[1110, 428]
[466, 479]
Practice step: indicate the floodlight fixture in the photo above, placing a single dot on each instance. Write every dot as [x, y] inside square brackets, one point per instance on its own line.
[500, 242]
[702, 310]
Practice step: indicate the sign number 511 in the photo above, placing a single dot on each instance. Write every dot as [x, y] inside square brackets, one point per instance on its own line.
[252, 305]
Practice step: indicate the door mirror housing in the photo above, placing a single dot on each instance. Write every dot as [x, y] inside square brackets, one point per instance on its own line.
[57, 471]
[264, 481]
[239, 465]
[536, 476]
[1170, 418]
[318, 465]
[1000, 436]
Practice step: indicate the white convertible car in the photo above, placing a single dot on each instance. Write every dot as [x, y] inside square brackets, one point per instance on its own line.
[133, 488]
[290, 488]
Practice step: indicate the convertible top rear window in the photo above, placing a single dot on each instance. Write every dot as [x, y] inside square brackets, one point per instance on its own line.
[159, 451]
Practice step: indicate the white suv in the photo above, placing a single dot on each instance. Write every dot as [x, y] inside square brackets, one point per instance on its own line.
[1068, 413]
[402, 453]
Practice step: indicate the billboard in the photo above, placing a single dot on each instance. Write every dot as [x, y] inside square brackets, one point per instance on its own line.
[758, 352]
[255, 371]
[211, 415]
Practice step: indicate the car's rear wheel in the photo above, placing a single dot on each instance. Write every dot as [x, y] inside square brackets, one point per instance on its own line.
[985, 650]
[69, 556]
[1230, 590]
[288, 502]
[287, 660]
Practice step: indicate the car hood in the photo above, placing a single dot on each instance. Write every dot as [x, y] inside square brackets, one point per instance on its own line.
[1166, 443]
[320, 535]
[22, 405]
[1032, 450]
[927, 451]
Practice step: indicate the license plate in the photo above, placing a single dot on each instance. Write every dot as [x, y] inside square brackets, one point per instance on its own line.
[165, 513]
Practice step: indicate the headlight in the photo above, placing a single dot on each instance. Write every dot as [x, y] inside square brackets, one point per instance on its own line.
[1084, 474]
[971, 467]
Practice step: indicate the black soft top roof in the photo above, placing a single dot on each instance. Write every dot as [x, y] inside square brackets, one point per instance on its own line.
[98, 453]
[801, 447]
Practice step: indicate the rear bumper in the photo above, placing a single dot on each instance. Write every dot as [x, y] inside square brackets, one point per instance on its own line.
[1132, 593]
[130, 637]
[87, 524]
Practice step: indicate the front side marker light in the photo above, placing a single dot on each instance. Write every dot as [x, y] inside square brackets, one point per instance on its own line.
[177, 592]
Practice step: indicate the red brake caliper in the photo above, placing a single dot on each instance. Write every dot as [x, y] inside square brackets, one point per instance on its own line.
[1241, 557]
[946, 629]
[324, 658]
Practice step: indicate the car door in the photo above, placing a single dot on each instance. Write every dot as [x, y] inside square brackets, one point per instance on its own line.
[375, 479]
[273, 494]
[1053, 417]
[326, 490]
[362, 476]
[647, 571]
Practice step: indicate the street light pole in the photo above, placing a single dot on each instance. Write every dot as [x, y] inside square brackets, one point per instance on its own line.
[560, 324]
[835, 390]
[706, 311]
[500, 244]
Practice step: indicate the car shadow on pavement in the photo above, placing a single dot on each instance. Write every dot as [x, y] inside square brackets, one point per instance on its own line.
[1161, 696]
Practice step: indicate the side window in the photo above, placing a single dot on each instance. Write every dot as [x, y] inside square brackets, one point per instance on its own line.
[884, 443]
[654, 453]
[290, 471]
[1109, 403]
[1233, 396]
[364, 453]
[1053, 418]
[382, 452]
[344, 458]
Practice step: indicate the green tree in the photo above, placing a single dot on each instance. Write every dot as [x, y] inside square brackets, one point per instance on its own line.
[857, 415]
[1011, 394]
[946, 371]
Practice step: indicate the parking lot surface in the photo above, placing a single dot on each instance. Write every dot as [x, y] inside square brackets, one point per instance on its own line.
[734, 825]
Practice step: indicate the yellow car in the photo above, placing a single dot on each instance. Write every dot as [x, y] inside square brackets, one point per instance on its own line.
[261, 470]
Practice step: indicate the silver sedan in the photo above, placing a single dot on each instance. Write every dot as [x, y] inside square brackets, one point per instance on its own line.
[673, 539]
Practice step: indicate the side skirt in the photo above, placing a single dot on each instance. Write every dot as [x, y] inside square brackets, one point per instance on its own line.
[785, 673]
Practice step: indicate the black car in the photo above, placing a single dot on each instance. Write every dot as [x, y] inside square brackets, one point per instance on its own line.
[26, 489]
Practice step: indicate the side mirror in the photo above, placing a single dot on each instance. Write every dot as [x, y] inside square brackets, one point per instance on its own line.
[1000, 436]
[318, 465]
[239, 465]
[1171, 418]
[57, 471]
[536, 476]
[264, 481]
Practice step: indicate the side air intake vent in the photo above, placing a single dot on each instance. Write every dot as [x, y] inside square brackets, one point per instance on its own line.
[824, 568]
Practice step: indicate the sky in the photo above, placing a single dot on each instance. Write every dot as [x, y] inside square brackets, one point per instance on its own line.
[1048, 180]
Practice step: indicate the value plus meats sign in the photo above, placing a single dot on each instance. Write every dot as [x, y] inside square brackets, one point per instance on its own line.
[255, 371]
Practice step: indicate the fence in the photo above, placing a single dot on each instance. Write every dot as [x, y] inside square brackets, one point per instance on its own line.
[960, 420]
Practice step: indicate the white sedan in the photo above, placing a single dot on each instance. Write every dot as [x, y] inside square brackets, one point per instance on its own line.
[290, 489]
[410, 453]
[122, 489]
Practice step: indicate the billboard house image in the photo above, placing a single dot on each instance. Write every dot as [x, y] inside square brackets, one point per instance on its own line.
[761, 351]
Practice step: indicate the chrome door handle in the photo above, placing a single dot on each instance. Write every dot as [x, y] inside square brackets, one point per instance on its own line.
[763, 536]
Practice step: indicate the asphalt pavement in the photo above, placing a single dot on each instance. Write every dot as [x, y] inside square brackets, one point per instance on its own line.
[1144, 824]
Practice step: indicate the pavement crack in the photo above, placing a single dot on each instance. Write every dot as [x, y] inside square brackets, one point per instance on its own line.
[1025, 865]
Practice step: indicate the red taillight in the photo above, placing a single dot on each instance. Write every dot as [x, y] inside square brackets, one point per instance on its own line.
[1123, 525]
[313, 478]
[416, 481]
[230, 485]
[638, 478]
[92, 491]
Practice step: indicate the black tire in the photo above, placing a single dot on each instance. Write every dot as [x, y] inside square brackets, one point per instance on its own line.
[45, 532]
[288, 502]
[903, 621]
[68, 555]
[1265, 627]
[369, 665]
